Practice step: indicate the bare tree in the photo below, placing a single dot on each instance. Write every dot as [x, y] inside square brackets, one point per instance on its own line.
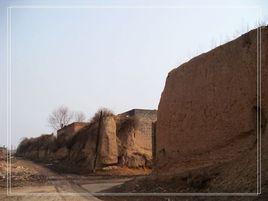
[60, 117]
[79, 116]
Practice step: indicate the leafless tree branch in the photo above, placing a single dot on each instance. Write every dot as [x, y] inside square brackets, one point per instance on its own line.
[79, 117]
[60, 117]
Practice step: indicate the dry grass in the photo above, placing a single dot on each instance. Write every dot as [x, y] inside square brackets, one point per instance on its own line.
[44, 142]
[105, 112]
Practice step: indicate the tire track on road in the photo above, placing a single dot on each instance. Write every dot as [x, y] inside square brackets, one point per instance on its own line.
[63, 182]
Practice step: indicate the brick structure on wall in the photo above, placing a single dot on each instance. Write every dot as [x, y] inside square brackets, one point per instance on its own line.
[143, 126]
[65, 133]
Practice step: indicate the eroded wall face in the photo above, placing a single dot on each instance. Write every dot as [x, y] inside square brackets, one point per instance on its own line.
[66, 133]
[108, 150]
[100, 146]
[135, 138]
[143, 130]
[209, 104]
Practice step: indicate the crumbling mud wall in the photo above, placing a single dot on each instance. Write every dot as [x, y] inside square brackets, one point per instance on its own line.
[134, 132]
[208, 109]
[64, 137]
[114, 140]
[67, 132]
[82, 147]
[40, 148]
[143, 128]
[108, 149]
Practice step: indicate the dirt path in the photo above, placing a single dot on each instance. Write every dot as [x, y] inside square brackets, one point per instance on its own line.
[57, 186]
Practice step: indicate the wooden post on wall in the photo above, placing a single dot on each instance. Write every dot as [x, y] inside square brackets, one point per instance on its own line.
[154, 142]
[97, 143]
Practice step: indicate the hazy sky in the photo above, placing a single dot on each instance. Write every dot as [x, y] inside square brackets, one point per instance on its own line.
[116, 57]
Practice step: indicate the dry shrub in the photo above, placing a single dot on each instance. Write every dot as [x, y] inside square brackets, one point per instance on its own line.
[26, 145]
[105, 112]
[36, 143]
[22, 145]
[45, 142]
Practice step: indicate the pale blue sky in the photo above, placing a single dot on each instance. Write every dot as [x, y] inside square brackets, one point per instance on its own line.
[119, 57]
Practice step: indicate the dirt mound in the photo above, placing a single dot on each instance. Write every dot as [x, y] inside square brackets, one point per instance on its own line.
[3, 159]
[208, 109]
[235, 176]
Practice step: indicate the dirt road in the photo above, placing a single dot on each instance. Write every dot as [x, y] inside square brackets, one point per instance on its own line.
[56, 186]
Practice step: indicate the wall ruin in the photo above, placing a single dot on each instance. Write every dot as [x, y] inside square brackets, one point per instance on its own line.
[124, 140]
[208, 109]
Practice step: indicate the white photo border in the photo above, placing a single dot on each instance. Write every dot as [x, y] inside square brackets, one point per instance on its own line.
[9, 107]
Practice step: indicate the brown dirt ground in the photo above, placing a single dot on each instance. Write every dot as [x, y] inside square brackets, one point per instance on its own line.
[237, 176]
